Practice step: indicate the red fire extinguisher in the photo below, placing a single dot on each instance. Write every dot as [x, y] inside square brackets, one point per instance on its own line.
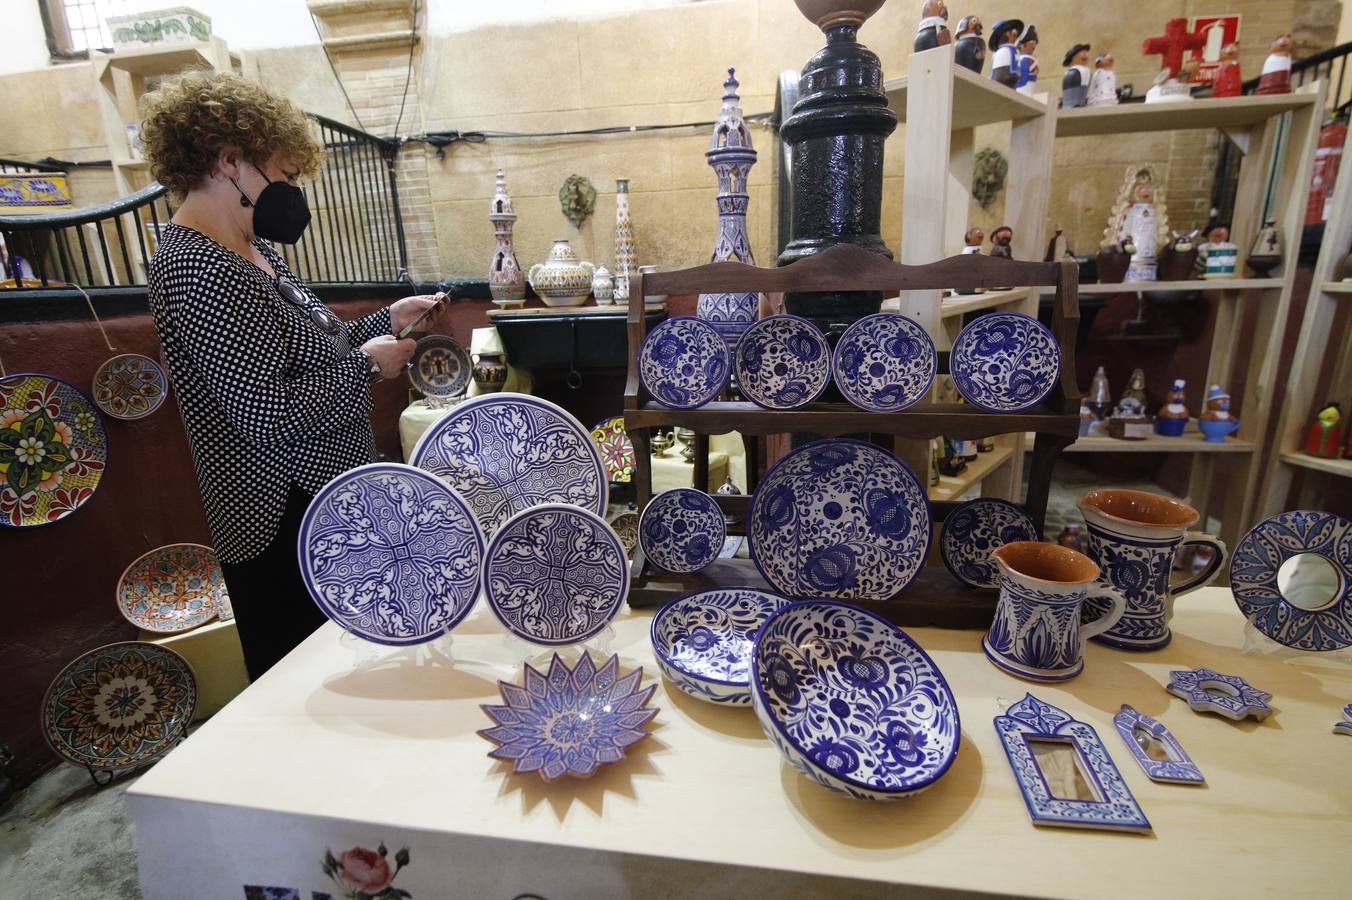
[1328, 156]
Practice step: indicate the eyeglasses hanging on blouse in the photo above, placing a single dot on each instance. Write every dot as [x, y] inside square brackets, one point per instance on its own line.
[321, 315]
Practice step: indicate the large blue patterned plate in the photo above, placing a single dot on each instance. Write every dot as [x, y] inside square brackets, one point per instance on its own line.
[1005, 362]
[840, 518]
[704, 641]
[684, 363]
[852, 702]
[975, 529]
[556, 574]
[391, 554]
[1253, 579]
[783, 362]
[682, 530]
[885, 362]
[507, 452]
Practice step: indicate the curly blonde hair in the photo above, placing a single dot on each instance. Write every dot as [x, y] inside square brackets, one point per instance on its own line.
[191, 117]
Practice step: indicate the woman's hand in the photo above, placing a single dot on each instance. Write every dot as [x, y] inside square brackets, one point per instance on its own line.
[404, 312]
[390, 354]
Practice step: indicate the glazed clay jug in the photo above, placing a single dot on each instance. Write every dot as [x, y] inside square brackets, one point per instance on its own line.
[490, 372]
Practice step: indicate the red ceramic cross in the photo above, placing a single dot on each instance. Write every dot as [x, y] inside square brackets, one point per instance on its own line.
[1171, 45]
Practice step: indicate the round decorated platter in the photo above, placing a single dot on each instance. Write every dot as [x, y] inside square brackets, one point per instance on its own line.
[505, 452]
[556, 574]
[783, 362]
[172, 588]
[840, 518]
[391, 554]
[704, 641]
[617, 451]
[885, 362]
[1304, 620]
[1005, 362]
[130, 386]
[976, 528]
[53, 450]
[439, 367]
[682, 530]
[684, 363]
[119, 706]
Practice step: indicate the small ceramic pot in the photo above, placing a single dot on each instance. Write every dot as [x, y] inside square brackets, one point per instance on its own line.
[603, 286]
[490, 372]
[1221, 260]
[1170, 427]
[1215, 432]
[562, 279]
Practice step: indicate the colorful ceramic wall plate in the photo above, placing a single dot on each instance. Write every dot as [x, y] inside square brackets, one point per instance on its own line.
[1064, 772]
[507, 452]
[556, 574]
[684, 363]
[976, 528]
[1155, 749]
[885, 362]
[53, 450]
[617, 451]
[1005, 362]
[119, 706]
[1225, 695]
[172, 588]
[704, 641]
[626, 529]
[391, 554]
[782, 362]
[840, 518]
[682, 530]
[130, 386]
[440, 367]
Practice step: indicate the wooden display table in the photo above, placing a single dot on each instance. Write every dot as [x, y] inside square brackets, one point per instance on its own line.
[320, 755]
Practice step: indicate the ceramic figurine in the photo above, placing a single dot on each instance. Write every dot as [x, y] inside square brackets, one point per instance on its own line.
[1276, 76]
[505, 281]
[1070, 537]
[1141, 217]
[1103, 86]
[973, 240]
[1171, 46]
[1005, 62]
[1086, 417]
[1266, 253]
[1001, 238]
[1217, 257]
[626, 253]
[970, 51]
[1216, 422]
[1113, 260]
[1129, 420]
[603, 286]
[1058, 247]
[933, 28]
[1100, 400]
[1136, 388]
[1175, 87]
[1178, 260]
[1075, 83]
[1227, 81]
[1026, 62]
[1173, 416]
[562, 279]
[1325, 436]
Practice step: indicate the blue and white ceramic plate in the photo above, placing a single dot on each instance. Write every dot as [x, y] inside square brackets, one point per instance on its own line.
[840, 518]
[885, 362]
[1253, 579]
[975, 529]
[852, 702]
[783, 362]
[704, 641]
[507, 452]
[556, 574]
[440, 367]
[682, 530]
[1005, 362]
[684, 363]
[391, 554]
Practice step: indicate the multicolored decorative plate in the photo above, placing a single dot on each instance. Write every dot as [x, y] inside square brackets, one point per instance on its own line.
[53, 449]
[391, 554]
[172, 588]
[885, 362]
[684, 363]
[617, 451]
[119, 706]
[978, 527]
[626, 529]
[782, 362]
[682, 530]
[704, 641]
[1005, 362]
[506, 452]
[556, 574]
[440, 367]
[130, 386]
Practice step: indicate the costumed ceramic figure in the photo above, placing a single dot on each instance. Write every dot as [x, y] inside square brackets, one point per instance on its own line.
[1173, 416]
[973, 240]
[1103, 86]
[1026, 61]
[1070, 537]
[1217, 257]
[1140, 218]
[1276, 76]
[1325, 436]
[1178, 260]
[933, 28]
[1005, 61]
[1075, 83]
[970, 51]
[1216, 422]
[1001, 238]
[1227, 81]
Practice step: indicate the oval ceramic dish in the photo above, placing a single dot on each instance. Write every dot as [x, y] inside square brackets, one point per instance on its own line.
[684, 363]
[440, 367]
[682, 530]
[976, 528]
[130, 386]
[704, 641]
[53, 449]
[172, 588]
[1005, 362]
[885, 362]
[783, 362]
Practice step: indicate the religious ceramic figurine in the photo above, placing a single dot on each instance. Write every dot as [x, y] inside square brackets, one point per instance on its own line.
[1325, 436]
[1216, 421]
[1266, 253]
[1100, 399]
[933, 28]
[1139, 216]
[1227, 82]
[1129, 420]
[1135, 388]
[970, 51]
[1001, 238]
[1005, 62]
[1075, 83]
[1103, 86]
[1026, 62]
[1217, 257]
[1173, 416]
[1058, 247]
[1178, 260]
[1276, 76]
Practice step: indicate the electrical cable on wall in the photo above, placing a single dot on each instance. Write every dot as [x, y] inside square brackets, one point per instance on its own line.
[334, 68]
[408, 79]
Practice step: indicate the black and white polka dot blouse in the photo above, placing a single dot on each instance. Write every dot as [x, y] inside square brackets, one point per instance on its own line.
[267, 397]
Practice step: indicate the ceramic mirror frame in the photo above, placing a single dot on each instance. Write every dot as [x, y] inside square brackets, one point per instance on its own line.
[1177, 769]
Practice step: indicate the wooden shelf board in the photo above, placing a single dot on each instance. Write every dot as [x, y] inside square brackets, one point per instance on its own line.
[1341, 467]
[1218, 284]
[1189, 442]
[951, 488]
[976, 100]
[957, 305]
[1134, 118]
[1337, 287]
[160, 60]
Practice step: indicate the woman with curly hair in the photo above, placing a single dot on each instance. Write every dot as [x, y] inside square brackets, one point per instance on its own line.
[273, 387]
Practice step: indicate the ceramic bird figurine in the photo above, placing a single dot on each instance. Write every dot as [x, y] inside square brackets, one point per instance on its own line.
[970, 51]
[1325, 437]
[1075, 83]
[933, 28]
[1276, 76]
[1005, 62]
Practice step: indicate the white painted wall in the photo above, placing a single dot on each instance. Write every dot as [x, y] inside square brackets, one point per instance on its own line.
[26, 42]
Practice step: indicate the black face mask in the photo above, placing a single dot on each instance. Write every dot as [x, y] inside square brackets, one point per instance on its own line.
[280, 213]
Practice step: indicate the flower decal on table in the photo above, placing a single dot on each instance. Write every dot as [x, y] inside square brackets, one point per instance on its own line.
[1005, 362]
[130, 386]
[1226, 695]
[885, 362]
[364, 874]
[51, 450]
[682, 530]
[783, 362]
[684, 363]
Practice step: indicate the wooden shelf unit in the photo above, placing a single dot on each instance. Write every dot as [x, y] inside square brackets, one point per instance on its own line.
[1201, 284]
[1340, 467]
[1225, 113]
[1336, 287]
[1188, 442]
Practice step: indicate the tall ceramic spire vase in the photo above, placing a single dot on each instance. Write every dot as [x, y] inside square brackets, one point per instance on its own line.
[626, 255]
[505, 281]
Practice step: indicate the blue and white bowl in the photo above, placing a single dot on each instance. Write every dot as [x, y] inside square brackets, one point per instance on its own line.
[885, 362]
[977, 528]
[1005, 362]
[684, 363]
[783, 362]
[682, 530]
[704, 641]
[852, 702]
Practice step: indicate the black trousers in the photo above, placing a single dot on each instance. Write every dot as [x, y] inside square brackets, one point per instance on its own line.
[273, 609]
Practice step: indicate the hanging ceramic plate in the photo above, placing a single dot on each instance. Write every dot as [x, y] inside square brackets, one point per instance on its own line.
[704, 641]
[556, 574]
[53, 450]
[1005, 362]
[682, 530]
[840, 518]
[439, 367]
[130, 386]
[783, 362]
[391, 554]
[617, 451]
[1309, 608]
[119, 706]
[172, 588]
[976, 528]
[506, 452]
[684, 363]
[885, 362]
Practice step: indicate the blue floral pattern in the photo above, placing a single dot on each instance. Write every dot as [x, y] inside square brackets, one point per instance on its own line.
[704, 641]
[977, 528]
[885, 362]
[1139, 568]
[1225, 695]
[1345, 725]
[1177, 769]
[1036, 634]
[1005, 362]
[783, 362]
[684, 363]
[682, 530]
